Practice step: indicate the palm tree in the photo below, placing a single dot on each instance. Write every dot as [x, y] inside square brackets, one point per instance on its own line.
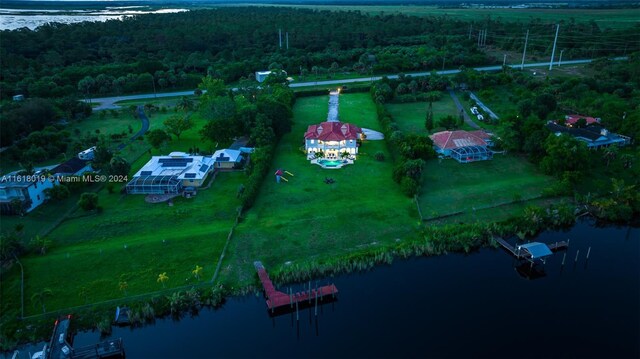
[162, 277]
[185, 104]
[40, 297]
[42, 243]
[123, 287]
[197, 272]
[610, 153]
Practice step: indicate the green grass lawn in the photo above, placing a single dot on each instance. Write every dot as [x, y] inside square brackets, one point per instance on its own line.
[305, 218]
[133, 241]
[90, 249]
[410, 117]
[449, 187]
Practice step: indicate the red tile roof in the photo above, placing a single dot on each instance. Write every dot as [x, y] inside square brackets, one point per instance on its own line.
[447, 140]
[332, 131]
[572, 119]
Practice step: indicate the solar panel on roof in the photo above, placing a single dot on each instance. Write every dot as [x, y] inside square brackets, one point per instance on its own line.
[190, 175]
[175, 162]
[222, 159]
[146, 173]
[203, 168]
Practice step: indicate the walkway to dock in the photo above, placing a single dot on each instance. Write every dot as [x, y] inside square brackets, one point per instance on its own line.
[277, 299]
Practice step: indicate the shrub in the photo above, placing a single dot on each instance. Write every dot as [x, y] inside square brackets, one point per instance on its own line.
[409, 186]
[88, 201]
[379, 156]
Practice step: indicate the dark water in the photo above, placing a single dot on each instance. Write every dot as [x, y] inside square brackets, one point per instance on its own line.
[449, 306]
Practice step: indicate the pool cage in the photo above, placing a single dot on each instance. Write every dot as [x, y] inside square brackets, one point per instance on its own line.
[471, 154]
[155, 185]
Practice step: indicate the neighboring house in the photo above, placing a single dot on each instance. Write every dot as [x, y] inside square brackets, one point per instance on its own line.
[72, 167]
[29, 194]
[332, 138]
[227, 159]
[262, 75]
[18, 98]
[170, 174]
[595, 136]
[572, 120]
[87, 154]
[463, 146]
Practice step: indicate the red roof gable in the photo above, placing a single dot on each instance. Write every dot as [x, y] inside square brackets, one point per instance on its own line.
[447, 140]
[332, 131]
[572, 119]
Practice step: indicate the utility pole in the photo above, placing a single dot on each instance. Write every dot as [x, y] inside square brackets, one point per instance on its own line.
[553, 52]
[287, 40]
[470, 28]
[524, 51]
[504, 61]
[479, 36]
[280, 38]
[484, 38]
[560, 59]
[443, 59]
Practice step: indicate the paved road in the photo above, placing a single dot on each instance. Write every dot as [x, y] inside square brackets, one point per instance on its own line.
[467, 119]
[109, 102]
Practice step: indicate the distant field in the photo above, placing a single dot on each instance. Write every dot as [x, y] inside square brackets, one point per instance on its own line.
[614, 18]
[410, 117]
[306, 219]
[450, 187]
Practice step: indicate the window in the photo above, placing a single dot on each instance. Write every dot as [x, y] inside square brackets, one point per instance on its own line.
[311, 142]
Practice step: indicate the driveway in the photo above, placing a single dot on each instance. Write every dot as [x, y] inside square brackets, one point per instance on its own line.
[145, 127]
[467, 119]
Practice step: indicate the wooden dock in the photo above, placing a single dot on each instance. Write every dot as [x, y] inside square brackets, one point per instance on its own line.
[277, 299]
[519, 254]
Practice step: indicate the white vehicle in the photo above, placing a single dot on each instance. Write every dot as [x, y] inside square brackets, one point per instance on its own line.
[61, 338]
[480, 117]
[474, 110]
[65, 350]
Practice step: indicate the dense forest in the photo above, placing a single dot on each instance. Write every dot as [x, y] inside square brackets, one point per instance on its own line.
[158, 52]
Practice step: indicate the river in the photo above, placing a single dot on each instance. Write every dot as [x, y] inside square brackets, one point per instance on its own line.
[456, 305]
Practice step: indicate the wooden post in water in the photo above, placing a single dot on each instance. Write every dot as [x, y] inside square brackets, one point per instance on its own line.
[309, 292]
[297, 314]
[563, 258]
[588, 252]
[316, 309]
[577, 253]
[290, 297]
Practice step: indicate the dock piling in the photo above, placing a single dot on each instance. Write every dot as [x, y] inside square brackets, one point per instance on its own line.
[290, 297]
[297, 314]
[577, 254]
[588, 252]
[309, 292]
[563, 258]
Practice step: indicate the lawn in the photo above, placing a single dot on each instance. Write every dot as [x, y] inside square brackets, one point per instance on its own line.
[133, 241]
[450, 187]
[97, 251]
[305, 218]
[410, 117]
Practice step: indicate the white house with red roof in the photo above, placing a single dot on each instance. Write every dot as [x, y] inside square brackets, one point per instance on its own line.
[572, 120]
[332, 138]
[463, 146]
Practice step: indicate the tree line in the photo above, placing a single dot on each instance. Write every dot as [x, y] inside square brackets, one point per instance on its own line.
[161, 51]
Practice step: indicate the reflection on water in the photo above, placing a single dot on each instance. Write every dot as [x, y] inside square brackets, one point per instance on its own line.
[11, 19]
